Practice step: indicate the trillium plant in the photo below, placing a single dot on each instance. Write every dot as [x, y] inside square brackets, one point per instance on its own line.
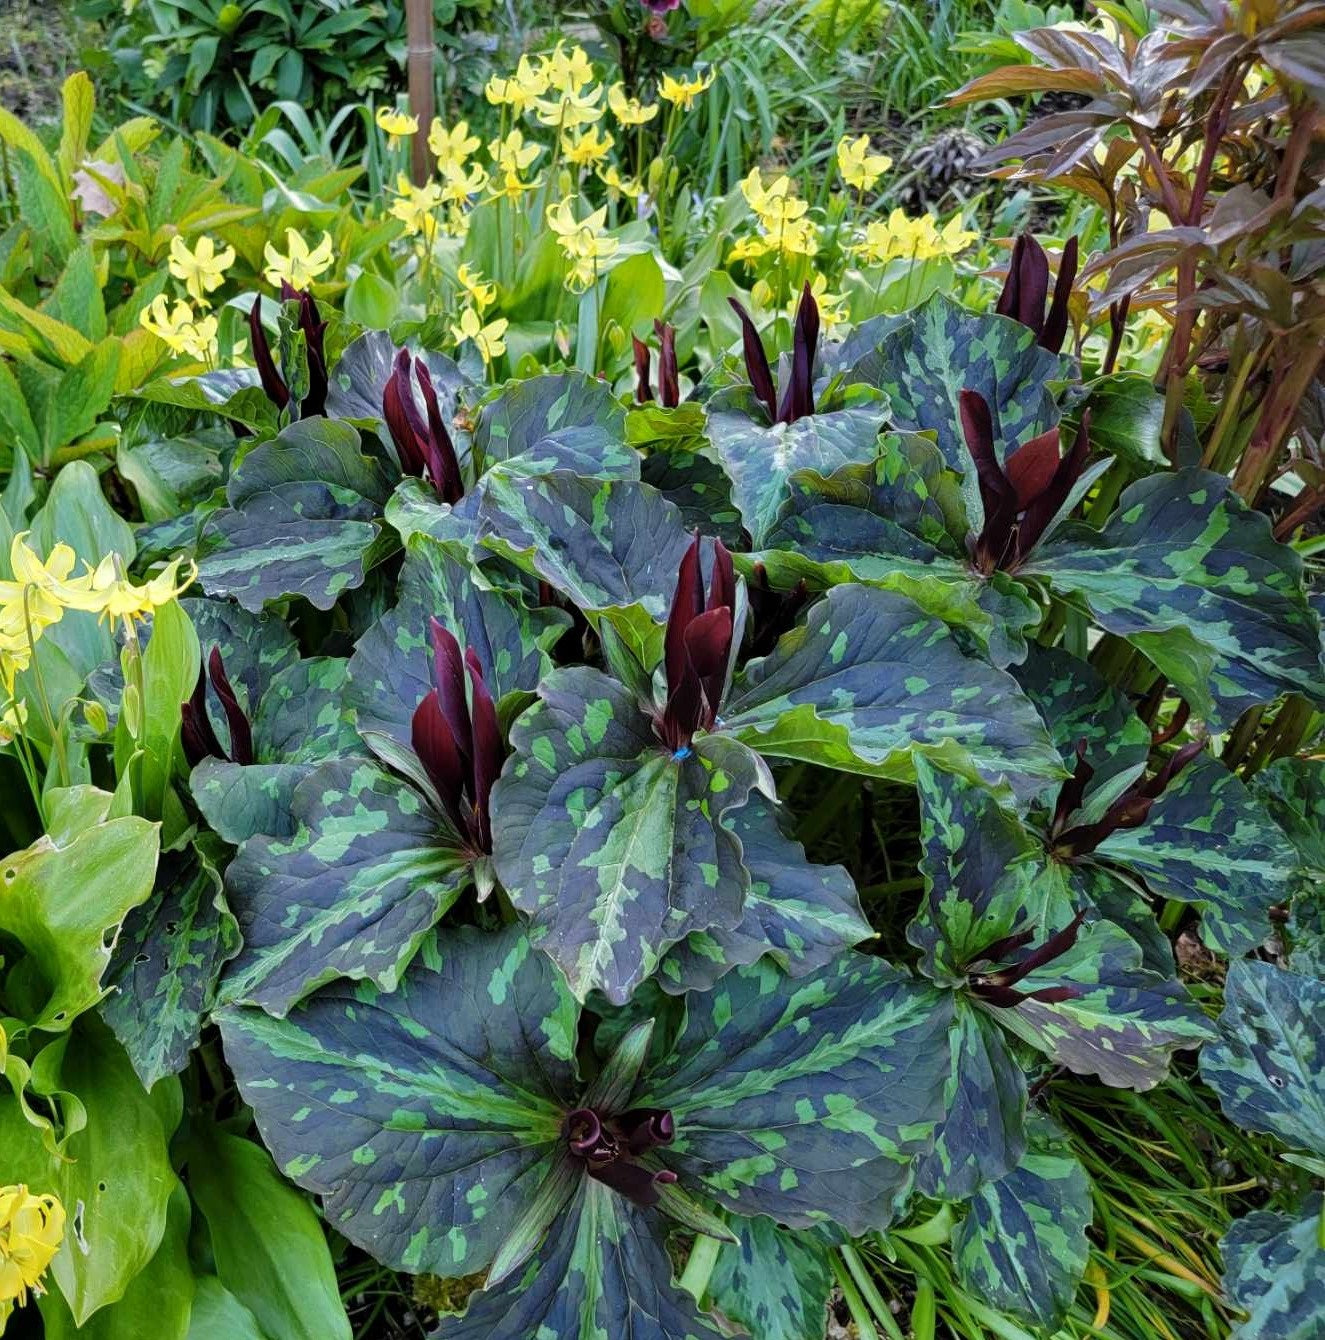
[518, 794]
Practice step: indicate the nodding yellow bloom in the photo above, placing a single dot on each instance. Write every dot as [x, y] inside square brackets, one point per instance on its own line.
[751, 248]
[920, 239]
[584, 242]
[833, 313]
[478, 290]
[488, 340]
[586, 148]
[568, 71]
[683, 92]
[519, 91]
[774, 204]
[12, 722]
[512, 154]
[108, 592]
[180, 328]
[629, 111]
[416, 206]
[458, 185]
[32, 598]
[860, 168]
[31, 1230]
[202, 270]
[396, 124]
[298, 266]
[452, 147]
[571, 109]
[617, 185]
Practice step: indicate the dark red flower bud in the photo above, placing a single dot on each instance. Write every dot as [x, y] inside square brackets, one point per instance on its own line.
[756, 362]
[997, 987]
[643, 390]
[1027, 286]
[798, 399]
[423, 445]
[608, 1148]
[197, 735]
[276, 390]
[314, 329]
[669, 375]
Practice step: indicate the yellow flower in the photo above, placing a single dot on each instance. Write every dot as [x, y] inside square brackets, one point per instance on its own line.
[487, 339]
[750, 248]
[31, 1230]
[202, 270]
[416, 206]
[396, 124]
[12, 722]
[481, 293]
[832, 306]
[860, 168]
[519, 91]
[683, 92]
[629, 111]
[452, 147]
[586, 148]
[512, 155]
[617, 185]
[920, 239]
[571, 109]
[584, 242]
[106, 591]
[458, 185]
[299, 267]
[775, 204]
[568, 71]
[179, 328]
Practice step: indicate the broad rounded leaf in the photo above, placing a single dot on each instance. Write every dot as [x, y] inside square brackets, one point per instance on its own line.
[302, 717]
[1274, 1271]
[774, 1282]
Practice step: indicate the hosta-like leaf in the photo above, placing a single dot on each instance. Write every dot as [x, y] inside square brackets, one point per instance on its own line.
[302, 717]
[615, 848]
[351, 893]
[759, 459]
[1022, 1246]
[1267, 1065]
[774, 1283]
[425, 1116]
[800, 914]
[869, 680]
[1191, 576]
[602, 1274]
[241, 800]
[559, 421]
[1274, 1271]
[165, 966]
[805, 1100]
[391, 669]
[611, 547]
[304, 517]
[925, 364]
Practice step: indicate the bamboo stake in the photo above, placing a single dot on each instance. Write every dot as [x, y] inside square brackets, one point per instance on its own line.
[422, 46]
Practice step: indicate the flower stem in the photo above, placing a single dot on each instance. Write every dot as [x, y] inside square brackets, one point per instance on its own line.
[699, 1266]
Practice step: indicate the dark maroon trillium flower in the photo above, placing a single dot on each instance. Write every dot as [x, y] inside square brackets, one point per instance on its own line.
[996, 986]
[609, 1147]
[423, 445]
[1027, 286]
[314, 329]
[798, 398]
[196, 734]
[1021, 495]
[1130, 810]
[697, 648]
[661, 6]
[458, 740]
[669, 379]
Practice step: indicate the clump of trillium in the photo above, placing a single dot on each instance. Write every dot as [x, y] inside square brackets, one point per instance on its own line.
[197, 736]
[697, 648]
[423, 444]
[457, 738]
[314, 329]
[798, 396]
[1026, 289]
[994, 973]
[669, 378]
[610, 1148]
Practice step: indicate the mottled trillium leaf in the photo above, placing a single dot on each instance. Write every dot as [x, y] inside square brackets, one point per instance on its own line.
[1022, 1246]
[774, 1282]
[352, 892]
[1274, 1271]
[806, 1100]
[1208, 841]
[357, 383]
[239, 801]
[1193, 578]
[426, 1117]
[560, 415]
[759, 458]
[699, 488]
[800, 914]
[611, 547]
[254, 647]
[166, 963]
[391, 669]
[1293, 791]
[302, 715]
[615, 848]
[925, 364]
[869, 680]
[1267, 1066]
[304, 519]
[603, 1273]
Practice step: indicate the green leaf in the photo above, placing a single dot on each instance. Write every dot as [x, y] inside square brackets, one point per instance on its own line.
[391, 670]
[611, 547]
[426, 1141]
[1293, 792]
[371, 300]
[233, 393]
[614, 848]
[1022, 1247]
[1193, 578]
[1274, 1271]
[165, 965]
[1126, 416]
[302, 716]
[869, 681]
[698, 487]
[1266, 1066]
[774, 1283]
[800, 914]
[268, 1245]
[304, 517]
[255, 647]
[357, 382]
[219, 1315]
[241, 801]
[368, 872]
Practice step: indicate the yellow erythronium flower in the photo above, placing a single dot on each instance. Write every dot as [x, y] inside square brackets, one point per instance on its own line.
[396, 124]
[180, 328]
[108, 592]
[571, 109]
[416, 206]
[587, 148]
[584, 242]
[202, 270]
[31, 1230]
[299, 266]
[629, 111]
[488, 339]
[568, 71]
[774, 204]
[33, 596]
[920, 239]
[478, 290]
[860, 168]
[12, 721]
[519, 91]
[683, 92]
[453, 147]
[458, 185]
[617, 185]
[833, 313]
[513, 155]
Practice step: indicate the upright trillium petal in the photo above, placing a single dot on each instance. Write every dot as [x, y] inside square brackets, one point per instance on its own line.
[798, 401]
[488, 752]
[277, 391]
[449, 680]
[669, 377]
[643, 390]
[435, 745]
[756, 362]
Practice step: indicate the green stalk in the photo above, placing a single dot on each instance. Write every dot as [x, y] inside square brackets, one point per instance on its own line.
[859, 1313]
[870, 1292]
[699, 1266]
